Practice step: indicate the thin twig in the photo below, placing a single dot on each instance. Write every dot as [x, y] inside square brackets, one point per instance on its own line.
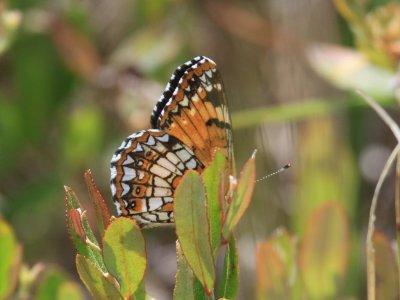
[397, 209]
[371, 222]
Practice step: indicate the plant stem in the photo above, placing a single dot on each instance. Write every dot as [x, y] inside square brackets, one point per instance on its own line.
[296, 111]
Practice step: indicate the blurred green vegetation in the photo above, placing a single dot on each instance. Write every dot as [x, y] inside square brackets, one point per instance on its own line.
[76, 77]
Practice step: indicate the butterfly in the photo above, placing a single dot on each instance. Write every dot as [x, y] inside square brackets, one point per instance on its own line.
[190, 122]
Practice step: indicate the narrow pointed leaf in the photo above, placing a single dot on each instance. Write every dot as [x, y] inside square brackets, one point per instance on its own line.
[80, 232]
[95, 280]
[230, 277]
[10, 257]
[100, 207]
[186, 284]
[192, 228]
[387, 284]
[215, 179]
[324, 249]
[125, 254]
[242, 197]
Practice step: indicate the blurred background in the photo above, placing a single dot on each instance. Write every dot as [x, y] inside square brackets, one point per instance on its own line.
[78, 76]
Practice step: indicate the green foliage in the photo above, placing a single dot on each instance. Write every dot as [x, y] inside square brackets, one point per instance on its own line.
[114, 269]
[326, 233]
[315, 269]
[230, 278]
[125, 254]
[80, 231]
[186, 284]
[214, 178]
[10, 260]
[99, 284]
[192, 228]
[55, 285]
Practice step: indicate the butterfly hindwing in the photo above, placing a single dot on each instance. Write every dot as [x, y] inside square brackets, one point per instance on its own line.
[145, 171]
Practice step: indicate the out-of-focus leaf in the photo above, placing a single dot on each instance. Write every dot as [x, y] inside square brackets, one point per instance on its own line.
[324, 251]
[75, 49]
[69, 291]
[242, 196]
[271, 281]
[147, 49]
[186, 283]
[84, 133]
[10, 21]
[100, 207]
[97, 282]
[387, 282]
[10, 258]
[230, 278]
[350, 70]
[56, 285]
[215, 181]
[192, 228]
[50, 284]
[124, 254]
[276, 262]
[43, 82]
[329, 173]
[80, 232]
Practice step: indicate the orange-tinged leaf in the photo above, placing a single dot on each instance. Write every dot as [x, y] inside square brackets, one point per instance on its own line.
[276, 262]
[100, 207]
[78, 53]
[387, 284]
[324, 251]
[242, 196]
[80, 231]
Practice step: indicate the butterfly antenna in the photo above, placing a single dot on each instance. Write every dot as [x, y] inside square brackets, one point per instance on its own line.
[287, 166]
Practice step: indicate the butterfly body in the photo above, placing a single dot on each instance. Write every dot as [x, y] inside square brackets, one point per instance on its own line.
[190, 122]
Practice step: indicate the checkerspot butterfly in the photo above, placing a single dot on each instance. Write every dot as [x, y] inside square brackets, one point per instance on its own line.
[189, 123]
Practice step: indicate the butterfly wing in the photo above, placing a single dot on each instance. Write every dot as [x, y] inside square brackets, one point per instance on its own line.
[145, 170]
[193, 108]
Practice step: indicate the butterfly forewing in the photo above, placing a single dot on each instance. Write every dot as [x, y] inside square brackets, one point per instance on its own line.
[194, 109]
[190, 122]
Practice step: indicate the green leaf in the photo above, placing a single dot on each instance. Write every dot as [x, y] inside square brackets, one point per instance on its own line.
[100, 207]
[49, 286]
[387, 284]
[69, 291]
[125, 254]
[140, 293]
[276, 263]
[192, 228]
[79, 229]
[242, 196]
[98, 283]
[230, 278]
[10, 258]
[214, 177]
[186, 284]
[324, 251]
